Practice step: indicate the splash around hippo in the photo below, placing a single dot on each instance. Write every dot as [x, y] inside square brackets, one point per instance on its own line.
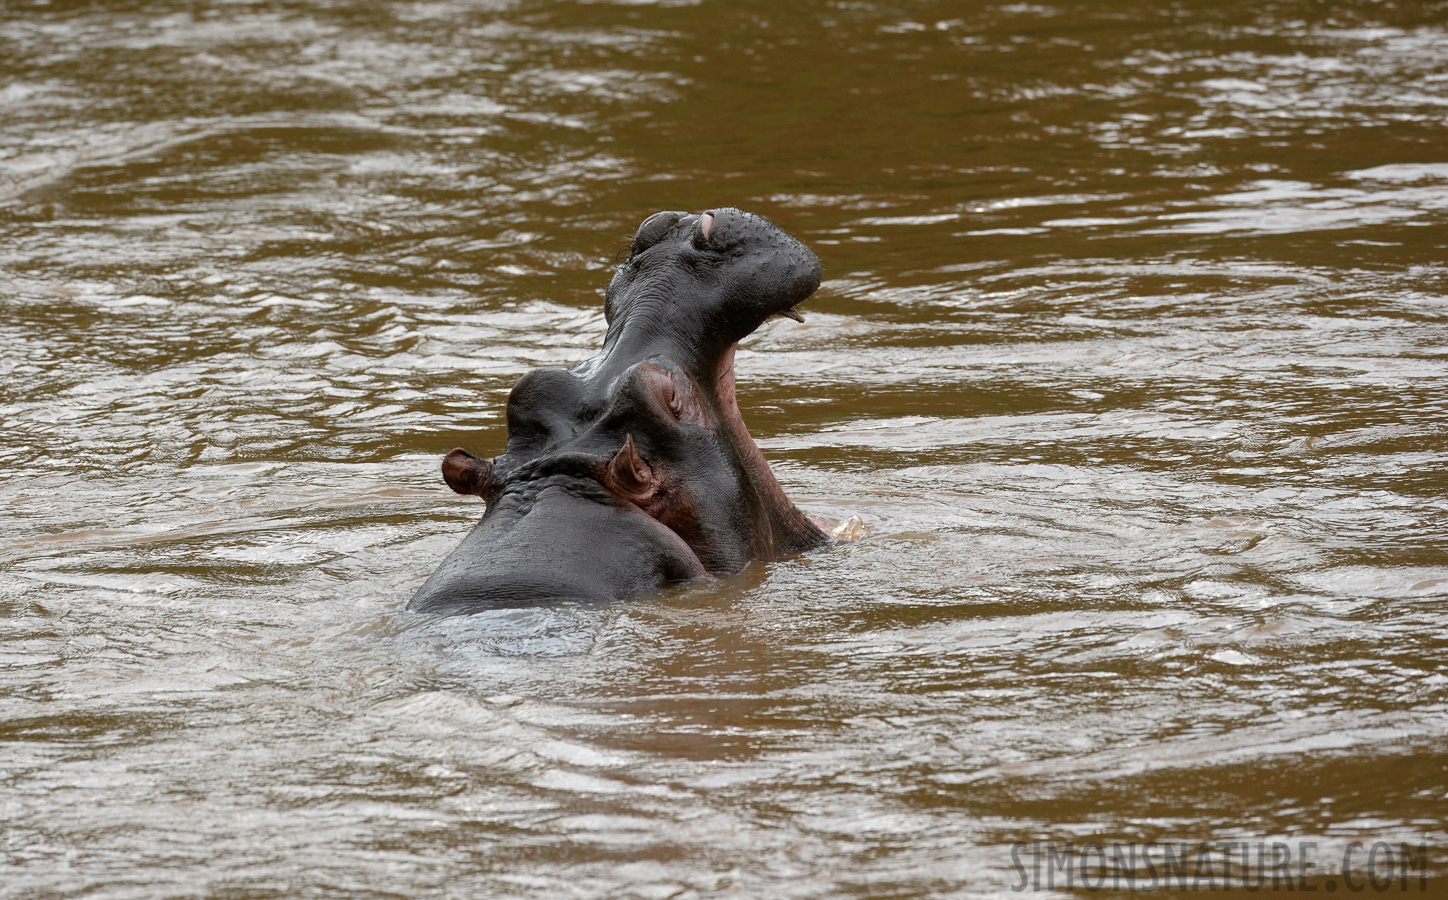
[634, 469]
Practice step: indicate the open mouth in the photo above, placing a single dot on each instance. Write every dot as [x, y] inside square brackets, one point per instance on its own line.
[635, 469]
[726, 392]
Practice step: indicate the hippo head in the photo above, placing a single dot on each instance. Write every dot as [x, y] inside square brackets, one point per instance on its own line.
[635, 469]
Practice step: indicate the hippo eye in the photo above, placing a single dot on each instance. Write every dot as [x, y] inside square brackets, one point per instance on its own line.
[653, 230]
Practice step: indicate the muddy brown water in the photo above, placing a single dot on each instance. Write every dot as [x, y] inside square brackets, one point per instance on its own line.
[1130, 354]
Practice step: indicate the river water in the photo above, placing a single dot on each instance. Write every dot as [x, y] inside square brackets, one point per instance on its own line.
[1130, 355]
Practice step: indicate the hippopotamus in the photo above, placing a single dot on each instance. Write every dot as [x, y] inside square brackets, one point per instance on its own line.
[634, 470]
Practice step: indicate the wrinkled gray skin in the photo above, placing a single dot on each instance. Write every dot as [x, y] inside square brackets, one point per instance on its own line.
[634, 469]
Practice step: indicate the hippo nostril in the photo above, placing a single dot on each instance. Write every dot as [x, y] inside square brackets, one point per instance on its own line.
[653, 230]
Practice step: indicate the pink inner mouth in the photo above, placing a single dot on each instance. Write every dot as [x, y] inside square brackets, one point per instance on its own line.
[706, 224]
[726, 392]
[728, 397]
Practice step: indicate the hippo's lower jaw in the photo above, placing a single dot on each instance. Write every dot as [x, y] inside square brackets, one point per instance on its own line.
[635, 469]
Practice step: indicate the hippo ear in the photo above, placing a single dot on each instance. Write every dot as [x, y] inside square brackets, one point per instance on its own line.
[629, 475]
[467, 474]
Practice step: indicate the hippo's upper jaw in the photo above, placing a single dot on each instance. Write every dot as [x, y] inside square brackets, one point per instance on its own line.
[635, 469]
